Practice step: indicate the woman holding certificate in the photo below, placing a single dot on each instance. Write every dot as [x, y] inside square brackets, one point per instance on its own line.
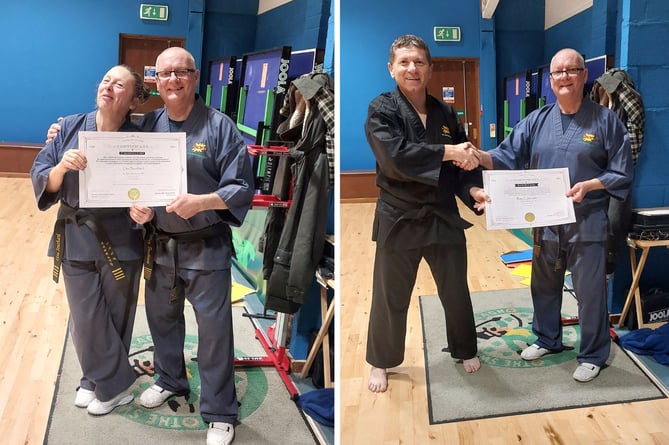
[99, 250]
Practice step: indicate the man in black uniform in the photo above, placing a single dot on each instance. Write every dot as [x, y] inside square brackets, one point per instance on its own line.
[423, 159]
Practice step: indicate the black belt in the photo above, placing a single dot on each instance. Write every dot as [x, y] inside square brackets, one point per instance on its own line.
[419, 210]
[89, 219]
[153, 235]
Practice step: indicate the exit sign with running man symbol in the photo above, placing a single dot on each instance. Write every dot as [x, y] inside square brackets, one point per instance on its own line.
[447, 34]
[152, 12]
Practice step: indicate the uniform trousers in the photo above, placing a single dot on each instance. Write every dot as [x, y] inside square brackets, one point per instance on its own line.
[208, 291]
[102, 316]
[394, 278]
[587, 263]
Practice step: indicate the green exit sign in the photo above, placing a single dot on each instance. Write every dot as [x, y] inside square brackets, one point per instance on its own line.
[152, 12]
[447, 34]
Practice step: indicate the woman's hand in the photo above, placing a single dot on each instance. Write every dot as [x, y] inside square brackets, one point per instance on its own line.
[73, 160]
[140, 214]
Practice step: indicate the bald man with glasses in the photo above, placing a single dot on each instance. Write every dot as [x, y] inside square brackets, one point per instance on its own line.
[192, 248]
[594, 145]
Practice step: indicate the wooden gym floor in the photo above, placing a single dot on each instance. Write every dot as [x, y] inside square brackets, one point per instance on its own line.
[33, 320]
[400, 416]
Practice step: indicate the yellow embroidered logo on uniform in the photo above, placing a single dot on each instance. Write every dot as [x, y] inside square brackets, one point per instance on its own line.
[445, 131]
[589, 137]
[199, 147]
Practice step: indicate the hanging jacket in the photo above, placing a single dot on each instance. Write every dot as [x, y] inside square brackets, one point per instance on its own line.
[615, 90]
[302, 236]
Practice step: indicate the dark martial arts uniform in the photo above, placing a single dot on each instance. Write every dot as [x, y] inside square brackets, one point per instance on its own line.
[417, 217]
[102, 308]
[592, 143]
[193, 259]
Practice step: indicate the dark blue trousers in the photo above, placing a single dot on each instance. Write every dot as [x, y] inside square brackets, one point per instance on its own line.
[209, 294]
[587, 263]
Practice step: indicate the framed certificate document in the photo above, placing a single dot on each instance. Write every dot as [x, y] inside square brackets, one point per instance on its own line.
[126, 168]
[527, 198]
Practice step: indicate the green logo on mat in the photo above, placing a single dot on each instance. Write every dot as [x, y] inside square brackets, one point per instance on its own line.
[504, 333]
[179, 412]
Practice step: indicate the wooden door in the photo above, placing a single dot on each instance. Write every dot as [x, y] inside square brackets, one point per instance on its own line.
[456, 81]
[140, 51]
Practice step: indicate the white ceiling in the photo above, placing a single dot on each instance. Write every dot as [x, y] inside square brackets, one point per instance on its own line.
[266, 5]
[560, 10]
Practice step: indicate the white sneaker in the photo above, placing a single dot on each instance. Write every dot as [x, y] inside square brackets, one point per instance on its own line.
[220, 433]
[84, 397]
[586, 372]
[533, 352]
[154, 397]
[98, 408]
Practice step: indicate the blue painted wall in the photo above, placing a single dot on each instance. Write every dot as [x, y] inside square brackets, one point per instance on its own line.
[366, 31]
[329, 62]
[54, 53]
[300, 24]
[229, 30]
[563, 35]
[644, 30]
[518, 45]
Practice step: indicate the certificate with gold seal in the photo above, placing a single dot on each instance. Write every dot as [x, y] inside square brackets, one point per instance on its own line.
[125, 168]
[527, 198]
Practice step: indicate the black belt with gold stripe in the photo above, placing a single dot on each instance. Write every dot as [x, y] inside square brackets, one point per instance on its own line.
[89, 219]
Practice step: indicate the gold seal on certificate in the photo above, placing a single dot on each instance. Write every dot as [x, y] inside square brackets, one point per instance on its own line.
[529, 217]
[133, 194]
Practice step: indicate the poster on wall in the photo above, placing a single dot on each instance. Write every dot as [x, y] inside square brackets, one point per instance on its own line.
[448, 94]
[149, 74]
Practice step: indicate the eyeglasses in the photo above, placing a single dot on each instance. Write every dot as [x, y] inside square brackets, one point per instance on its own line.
[180, 74]
[569, 72]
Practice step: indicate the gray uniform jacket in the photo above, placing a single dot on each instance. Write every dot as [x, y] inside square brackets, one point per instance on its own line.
[217, 161]
[81, 244]
[594, 145]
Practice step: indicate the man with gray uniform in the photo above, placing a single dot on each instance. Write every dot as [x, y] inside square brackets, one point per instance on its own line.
[193, 247]
[594, 145]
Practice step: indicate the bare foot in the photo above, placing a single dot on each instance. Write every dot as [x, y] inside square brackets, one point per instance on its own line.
[472, 364]
[378, 380]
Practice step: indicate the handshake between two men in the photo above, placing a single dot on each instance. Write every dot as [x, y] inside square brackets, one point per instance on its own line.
[464, 155]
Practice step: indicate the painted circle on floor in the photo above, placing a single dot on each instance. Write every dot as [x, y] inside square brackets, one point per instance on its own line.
[181, 412]
[504, 333]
